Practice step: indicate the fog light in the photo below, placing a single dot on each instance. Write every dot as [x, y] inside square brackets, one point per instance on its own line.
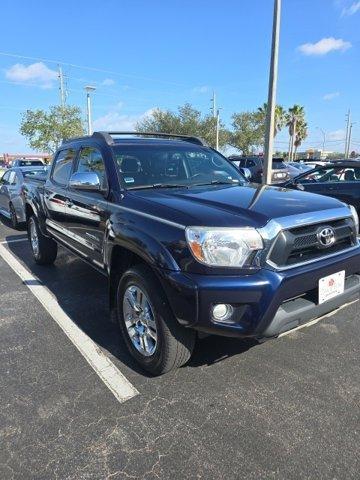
[222, 312]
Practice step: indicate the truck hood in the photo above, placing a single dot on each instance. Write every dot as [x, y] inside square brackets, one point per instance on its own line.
[228, 205]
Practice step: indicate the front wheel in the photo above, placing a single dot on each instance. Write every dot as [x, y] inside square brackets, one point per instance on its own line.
[44, 249]
[151, 333]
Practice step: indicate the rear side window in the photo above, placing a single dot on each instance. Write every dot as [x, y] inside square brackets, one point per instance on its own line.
[62, 166]
[13, 178]
[91, 160]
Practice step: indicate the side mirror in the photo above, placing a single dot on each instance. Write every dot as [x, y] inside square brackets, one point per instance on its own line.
[299, 186]
[245, 173]
[86, 181]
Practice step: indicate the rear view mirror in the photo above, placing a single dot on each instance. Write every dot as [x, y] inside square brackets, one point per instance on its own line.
[86, 181]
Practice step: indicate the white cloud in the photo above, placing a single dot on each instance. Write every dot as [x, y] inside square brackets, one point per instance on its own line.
[115, 120]
[336, 135]
[331, 96]
[351, 10]
[35, 74]
[324, 46]
[108, 82]
[201, 89]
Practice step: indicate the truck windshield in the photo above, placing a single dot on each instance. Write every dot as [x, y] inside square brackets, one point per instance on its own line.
[156, 166]
[30, 163]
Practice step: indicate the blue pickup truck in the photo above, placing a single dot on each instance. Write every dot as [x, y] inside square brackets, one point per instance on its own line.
[188, 245]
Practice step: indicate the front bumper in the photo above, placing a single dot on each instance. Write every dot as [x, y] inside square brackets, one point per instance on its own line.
[267, 302]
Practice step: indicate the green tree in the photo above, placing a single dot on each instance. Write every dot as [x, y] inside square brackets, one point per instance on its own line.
[247, 131]
[186, 121]
[300, 135]
[46, 130]
[280, 117]
[295, 117]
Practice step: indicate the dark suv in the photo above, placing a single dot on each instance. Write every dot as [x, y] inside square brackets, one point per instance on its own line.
[188, 245]
[255, 164]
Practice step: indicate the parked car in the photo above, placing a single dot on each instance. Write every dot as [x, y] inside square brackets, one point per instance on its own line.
[292, 169]
[19, 162]
[188, 245]
[303, 167]
[339, 180]
[256, 165]
[12, 203]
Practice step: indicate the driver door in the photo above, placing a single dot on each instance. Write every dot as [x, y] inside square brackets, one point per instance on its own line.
[323, 181]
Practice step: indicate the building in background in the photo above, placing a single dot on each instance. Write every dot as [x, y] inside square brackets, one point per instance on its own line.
[316, 154]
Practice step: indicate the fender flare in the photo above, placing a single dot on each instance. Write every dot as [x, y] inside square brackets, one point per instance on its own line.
[141, 244]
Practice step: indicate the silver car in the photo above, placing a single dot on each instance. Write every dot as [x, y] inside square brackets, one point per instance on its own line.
[11, 198]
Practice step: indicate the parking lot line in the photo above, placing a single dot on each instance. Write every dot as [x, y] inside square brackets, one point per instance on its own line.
[15, 240]
[117, 383]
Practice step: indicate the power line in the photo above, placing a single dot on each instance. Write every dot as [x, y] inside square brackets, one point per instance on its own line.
[93, 69]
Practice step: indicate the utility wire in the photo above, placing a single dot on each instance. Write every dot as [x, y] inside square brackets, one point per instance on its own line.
[93, 69]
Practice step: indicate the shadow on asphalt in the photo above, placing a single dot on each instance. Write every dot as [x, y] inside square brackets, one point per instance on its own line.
[82, 293]
[6, 222]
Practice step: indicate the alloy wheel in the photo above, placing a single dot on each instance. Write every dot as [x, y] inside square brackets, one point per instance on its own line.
[139, 320]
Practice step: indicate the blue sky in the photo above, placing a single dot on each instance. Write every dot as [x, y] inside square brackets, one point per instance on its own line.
[144, 54]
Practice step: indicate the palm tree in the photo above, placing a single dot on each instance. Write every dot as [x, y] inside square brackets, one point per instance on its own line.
[301, 135]
[280, 117]
[295, 116]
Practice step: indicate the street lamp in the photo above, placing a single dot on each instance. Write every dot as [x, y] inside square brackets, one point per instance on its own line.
[88, 89]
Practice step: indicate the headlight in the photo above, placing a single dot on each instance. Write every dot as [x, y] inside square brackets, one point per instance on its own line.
[355, 216]
[223, 247]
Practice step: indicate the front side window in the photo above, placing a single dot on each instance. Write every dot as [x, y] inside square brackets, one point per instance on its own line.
[62, 166]
[91, 160]
[144, 166]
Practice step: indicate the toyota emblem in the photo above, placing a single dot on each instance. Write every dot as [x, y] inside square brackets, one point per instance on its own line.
[326, 237]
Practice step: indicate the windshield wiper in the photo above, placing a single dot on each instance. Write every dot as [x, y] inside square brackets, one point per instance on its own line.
[159, 185]
[217, 182]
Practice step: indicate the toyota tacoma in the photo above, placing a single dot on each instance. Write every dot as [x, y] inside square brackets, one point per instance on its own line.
[189, 247]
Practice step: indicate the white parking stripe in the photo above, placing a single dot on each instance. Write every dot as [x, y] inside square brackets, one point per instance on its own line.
[15, 240]
[117, 383]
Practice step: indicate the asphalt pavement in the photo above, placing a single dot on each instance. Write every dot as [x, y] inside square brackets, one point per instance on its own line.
[285, 409]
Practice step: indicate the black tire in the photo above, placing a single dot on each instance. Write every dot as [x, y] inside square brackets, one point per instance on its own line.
[46, 251]
[175, 343]
[13, 218]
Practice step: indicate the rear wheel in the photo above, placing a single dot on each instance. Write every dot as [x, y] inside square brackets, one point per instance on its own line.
[44, 249]
[152, 334]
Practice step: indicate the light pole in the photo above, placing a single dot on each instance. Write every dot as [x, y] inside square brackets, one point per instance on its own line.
[217, 128]
[348, 121]
[324, 137]
[349, 141]
[270, 114]
[88, 89]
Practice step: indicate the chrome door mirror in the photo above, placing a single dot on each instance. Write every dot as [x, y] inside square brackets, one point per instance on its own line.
[246, 173]
[86, 181]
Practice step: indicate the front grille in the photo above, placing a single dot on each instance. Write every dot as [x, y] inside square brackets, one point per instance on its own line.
[301, 244]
